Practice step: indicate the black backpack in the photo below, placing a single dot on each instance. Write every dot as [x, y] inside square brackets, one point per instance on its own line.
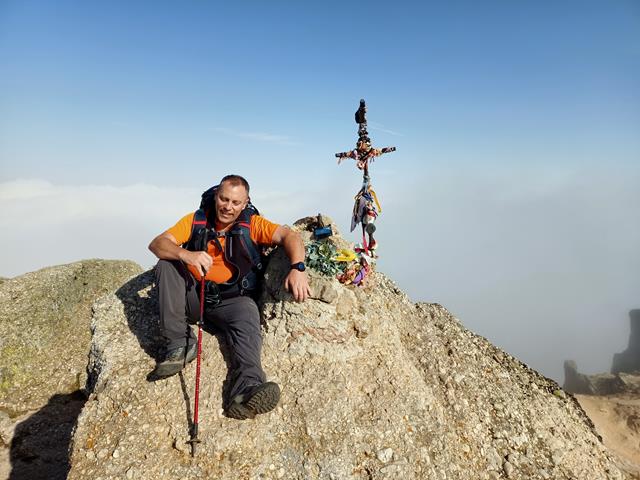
[240, 250]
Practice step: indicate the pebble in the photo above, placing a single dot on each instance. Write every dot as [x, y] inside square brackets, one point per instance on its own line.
[395, 466]
[129, 474]
[385, 455]
[389, 468]
[508, 469]
[519, 440]
[493, 459]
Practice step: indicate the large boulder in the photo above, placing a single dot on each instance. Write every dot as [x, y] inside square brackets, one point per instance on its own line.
[44, 329]
[45, 337]
[574, 381]
[628, 361]
[373, 386]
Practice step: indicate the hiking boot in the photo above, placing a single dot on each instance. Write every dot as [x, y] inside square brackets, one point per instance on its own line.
[259, 399]
[175, 360]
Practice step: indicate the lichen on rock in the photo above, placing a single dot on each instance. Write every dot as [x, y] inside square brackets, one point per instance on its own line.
[44, 329]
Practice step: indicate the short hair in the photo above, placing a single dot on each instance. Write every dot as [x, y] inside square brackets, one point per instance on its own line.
[236, 180]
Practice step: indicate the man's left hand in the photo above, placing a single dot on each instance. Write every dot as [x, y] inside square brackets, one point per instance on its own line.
[297, 283]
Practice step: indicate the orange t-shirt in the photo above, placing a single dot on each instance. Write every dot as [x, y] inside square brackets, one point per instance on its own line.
[261, 231]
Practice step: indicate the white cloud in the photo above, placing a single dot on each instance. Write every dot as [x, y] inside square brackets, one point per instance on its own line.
[380, 128]
[37, 201]
[543, 263]
[257, 136]
[45, 224]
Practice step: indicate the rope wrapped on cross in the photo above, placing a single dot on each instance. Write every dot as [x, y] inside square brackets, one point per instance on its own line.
[367, 207]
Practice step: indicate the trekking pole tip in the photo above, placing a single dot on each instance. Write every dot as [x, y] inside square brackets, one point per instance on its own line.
[194, 446]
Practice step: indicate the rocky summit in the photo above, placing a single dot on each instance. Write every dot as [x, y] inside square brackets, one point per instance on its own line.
[373, 387]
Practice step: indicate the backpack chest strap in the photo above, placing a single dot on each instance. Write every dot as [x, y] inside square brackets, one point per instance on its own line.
[214, 236]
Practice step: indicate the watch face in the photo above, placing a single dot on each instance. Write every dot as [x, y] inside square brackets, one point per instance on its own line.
[298, 266]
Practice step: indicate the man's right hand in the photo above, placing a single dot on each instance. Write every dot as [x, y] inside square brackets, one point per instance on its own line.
[166, 247]
[201, 260]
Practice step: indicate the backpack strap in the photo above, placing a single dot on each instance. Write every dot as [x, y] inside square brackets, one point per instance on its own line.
[243, 226]
[201, 226]
[199, 232]
[242, 252]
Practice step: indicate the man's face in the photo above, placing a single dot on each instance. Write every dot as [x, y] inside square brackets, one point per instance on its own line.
[230, 201]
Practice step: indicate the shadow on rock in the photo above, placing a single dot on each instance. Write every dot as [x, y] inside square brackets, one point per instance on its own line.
[227, 382]
[41, 443]
[226, 355]
[141, 309]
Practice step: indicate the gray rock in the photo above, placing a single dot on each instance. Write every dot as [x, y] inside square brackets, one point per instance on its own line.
[628, 361]
[574, 381]
[508, 469]
[599, 384]
[630, 383]
[45, 338]
[385, 455]
[342, 394]
[346, 397]
[323, 288]
[44, 326]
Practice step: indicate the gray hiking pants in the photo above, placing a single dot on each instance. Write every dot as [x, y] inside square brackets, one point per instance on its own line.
[238, 318]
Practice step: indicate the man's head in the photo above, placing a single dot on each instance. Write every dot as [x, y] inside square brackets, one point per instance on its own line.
[231, 198]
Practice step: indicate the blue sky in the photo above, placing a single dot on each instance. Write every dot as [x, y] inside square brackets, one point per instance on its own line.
[517, 170]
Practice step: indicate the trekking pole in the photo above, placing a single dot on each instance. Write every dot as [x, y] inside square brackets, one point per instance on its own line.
[194, 431]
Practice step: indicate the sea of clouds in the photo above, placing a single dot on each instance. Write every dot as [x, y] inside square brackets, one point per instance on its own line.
[544, 264]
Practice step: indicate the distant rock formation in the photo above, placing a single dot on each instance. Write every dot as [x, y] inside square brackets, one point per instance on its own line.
[612, 400]
[625, 370]
[575, 382]
[599, 384]
[629, 360]
[374, 387]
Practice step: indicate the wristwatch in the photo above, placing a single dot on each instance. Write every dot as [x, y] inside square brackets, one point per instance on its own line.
[298, 266]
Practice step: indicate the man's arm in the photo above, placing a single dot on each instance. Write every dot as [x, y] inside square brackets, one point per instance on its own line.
[296, 281]
[165, 247]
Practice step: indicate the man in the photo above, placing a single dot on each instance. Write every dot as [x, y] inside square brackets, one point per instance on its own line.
[229, 305]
